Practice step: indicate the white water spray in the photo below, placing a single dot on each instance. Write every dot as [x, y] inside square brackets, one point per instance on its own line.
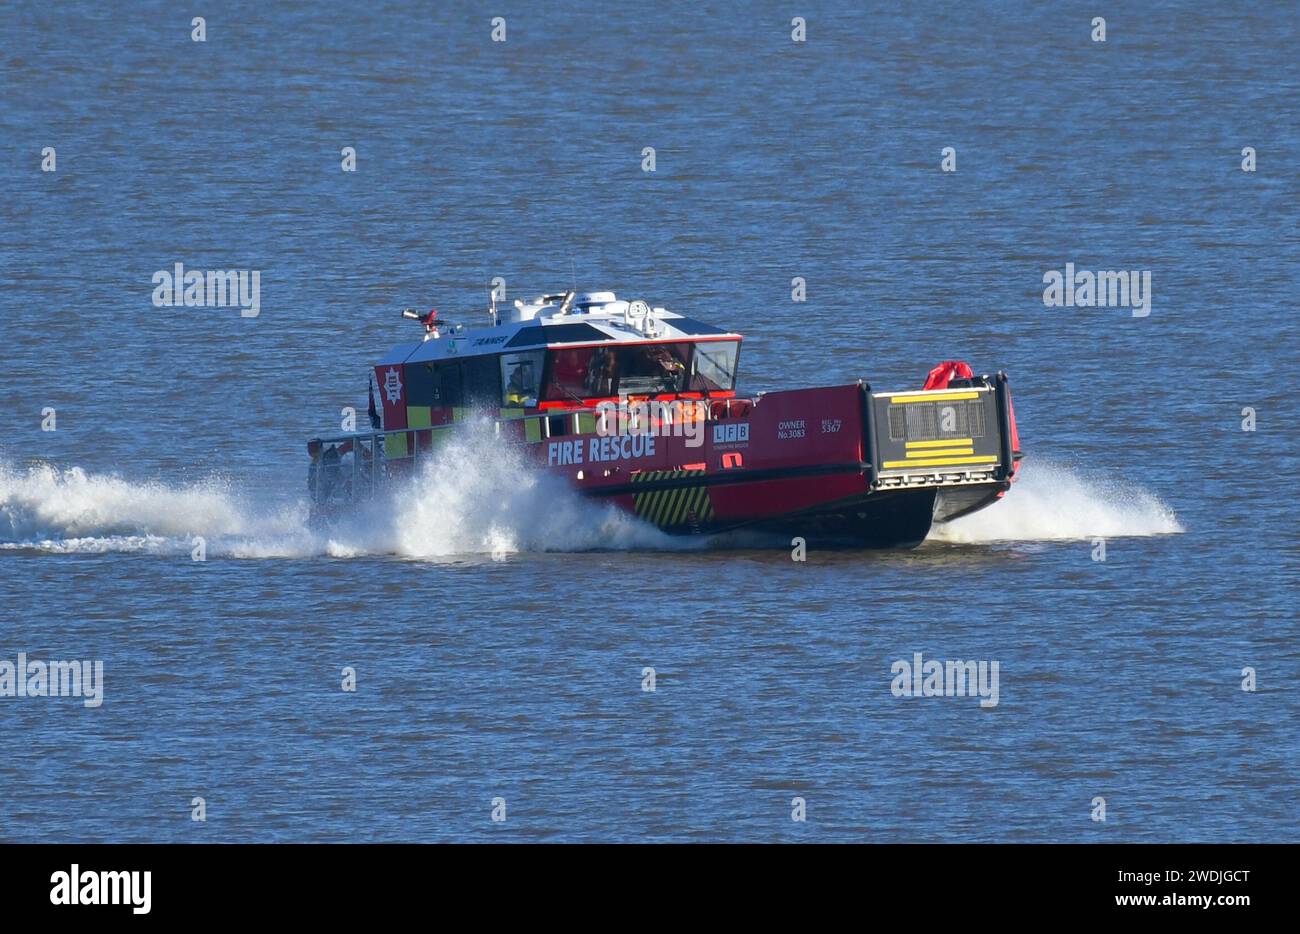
[45, 508]
[475, 497]
[1049, 502]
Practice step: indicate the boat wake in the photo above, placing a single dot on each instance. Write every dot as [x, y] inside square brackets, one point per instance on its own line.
[46, 508]
[474, 498]
[1050, 502]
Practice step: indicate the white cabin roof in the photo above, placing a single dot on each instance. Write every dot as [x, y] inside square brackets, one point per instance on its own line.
[591, 318]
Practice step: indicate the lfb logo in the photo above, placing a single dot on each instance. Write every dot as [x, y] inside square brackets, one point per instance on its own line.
[393, 386]
[727, 434]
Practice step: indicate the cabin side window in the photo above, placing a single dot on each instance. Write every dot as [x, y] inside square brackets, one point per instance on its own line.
[480, 381]
[713, 368]
[472, 381]
[419, 383]
[521, 377]
[448, 385]
[432, 385]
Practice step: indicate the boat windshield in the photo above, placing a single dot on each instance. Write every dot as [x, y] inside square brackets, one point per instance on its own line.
[640, 369]
[713, 368]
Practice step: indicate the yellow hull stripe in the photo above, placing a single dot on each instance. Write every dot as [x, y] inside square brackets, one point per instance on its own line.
[946, 452]
[939, 462]
[951, 442]
[934, 395]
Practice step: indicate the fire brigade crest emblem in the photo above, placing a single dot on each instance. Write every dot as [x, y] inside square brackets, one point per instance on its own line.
[393, 386]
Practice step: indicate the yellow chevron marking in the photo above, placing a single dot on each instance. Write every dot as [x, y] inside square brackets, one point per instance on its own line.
[671, 507]
[953, 442]
[677, 505]
[647, 504]
[692, 504]
[939, 462]
[703, 504]
[663, 503]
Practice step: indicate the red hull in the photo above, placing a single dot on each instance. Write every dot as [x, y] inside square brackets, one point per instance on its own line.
[835, 466]
[793, 463]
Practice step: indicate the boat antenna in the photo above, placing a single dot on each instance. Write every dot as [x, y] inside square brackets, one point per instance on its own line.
[492, 301]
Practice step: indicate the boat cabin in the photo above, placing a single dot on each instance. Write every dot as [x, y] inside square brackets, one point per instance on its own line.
[558, 353]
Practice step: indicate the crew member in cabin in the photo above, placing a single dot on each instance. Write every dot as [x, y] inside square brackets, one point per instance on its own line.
[323, 472]
[601, 373]
[376, 421]
[670, 368]
[519, 388]
[313, 469]
[367, 465]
